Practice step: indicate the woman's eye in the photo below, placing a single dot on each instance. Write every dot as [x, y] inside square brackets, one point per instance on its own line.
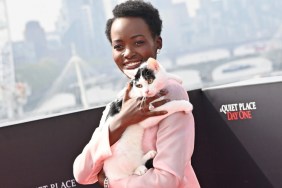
[139, 43]
[138, 85]
[118, 47]
[150, 81]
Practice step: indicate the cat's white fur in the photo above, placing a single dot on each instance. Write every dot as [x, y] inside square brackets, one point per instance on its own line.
[127, 155]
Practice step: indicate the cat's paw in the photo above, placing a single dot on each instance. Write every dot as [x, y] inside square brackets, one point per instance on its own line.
[140, 170]
[150, 155]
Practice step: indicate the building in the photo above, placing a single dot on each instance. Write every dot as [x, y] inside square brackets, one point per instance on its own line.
[35, 35]
[7, 74]
[80, 25]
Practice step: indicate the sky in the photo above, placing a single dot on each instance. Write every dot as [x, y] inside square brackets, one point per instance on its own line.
[22, 11]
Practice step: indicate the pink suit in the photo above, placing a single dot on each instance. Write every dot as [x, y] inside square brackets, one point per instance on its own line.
[173, 139]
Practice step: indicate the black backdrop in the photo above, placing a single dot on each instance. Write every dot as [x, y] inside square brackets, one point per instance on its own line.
[239, 149]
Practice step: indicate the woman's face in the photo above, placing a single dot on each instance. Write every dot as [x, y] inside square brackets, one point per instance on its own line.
[132, 42]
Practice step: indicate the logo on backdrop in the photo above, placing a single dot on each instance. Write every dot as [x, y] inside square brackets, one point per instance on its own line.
[238, 111]
[64, 184]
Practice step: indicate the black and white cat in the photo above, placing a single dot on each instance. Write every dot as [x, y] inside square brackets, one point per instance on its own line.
[127, 155]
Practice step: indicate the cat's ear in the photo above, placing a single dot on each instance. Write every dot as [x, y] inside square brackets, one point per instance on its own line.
[153, 64]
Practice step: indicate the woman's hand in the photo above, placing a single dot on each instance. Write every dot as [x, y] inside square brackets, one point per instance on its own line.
[134, 111]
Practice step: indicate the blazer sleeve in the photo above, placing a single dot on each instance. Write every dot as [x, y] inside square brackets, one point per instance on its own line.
[88, 164]
[175, 145]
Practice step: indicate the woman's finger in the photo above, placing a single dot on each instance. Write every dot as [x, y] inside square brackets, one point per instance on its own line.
[159, 103]
[156, 113]
[126, 95]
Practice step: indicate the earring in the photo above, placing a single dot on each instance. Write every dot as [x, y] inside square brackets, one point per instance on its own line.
[158, 51]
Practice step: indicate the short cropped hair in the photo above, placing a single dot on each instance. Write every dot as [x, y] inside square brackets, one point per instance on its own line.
[139, 9]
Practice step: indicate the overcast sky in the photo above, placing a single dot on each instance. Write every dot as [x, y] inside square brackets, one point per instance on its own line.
[21, 11]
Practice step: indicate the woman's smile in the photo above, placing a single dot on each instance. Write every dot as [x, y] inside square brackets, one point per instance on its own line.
[132, 65]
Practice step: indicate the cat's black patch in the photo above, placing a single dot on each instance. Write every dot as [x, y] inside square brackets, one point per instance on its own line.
[149, 164]
[145, 73]
[115, 108]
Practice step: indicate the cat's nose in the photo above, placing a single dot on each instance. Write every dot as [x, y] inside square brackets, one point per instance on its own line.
[148, 93]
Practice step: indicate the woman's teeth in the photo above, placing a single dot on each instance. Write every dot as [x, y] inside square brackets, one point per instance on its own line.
[132, 64]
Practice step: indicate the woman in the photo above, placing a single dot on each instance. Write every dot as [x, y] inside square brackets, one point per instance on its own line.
[135, 35]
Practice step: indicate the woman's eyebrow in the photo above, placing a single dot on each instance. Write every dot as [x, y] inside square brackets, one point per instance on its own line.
[118, 40]
[137, 35]
[132, 37]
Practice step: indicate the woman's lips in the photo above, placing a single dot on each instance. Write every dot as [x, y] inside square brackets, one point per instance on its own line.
[132, 65]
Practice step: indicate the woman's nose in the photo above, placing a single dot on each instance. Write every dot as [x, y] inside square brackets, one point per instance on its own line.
[128, 53]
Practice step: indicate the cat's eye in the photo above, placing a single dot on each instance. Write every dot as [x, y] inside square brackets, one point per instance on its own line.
[150, 81]
[138, 85]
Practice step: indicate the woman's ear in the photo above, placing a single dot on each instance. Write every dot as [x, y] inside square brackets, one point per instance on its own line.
[159, 42]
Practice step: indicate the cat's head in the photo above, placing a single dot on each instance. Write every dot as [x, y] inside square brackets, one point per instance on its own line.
[149, 79]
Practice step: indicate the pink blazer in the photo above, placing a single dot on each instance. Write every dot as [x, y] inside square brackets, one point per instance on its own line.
[173, 139]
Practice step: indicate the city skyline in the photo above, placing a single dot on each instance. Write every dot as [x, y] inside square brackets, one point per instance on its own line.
[213, 33]
[22, 12]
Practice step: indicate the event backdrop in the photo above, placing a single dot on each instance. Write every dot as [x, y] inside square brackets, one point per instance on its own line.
[238, 142]
[238, 136]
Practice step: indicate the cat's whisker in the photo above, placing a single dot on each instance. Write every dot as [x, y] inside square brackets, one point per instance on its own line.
[143, 102]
